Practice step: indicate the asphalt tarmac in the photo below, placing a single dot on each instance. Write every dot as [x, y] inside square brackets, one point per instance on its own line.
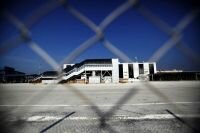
[147, 107]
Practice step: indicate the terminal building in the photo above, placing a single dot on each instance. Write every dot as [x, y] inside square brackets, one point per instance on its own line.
[107, 71]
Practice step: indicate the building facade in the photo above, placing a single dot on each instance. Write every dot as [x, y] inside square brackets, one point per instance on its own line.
[107, 71]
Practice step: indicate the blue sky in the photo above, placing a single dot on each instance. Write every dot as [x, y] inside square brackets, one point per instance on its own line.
[59, 33]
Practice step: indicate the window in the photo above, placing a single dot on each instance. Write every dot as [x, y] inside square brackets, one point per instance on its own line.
[120, 71]
[151, 68]
[130, 70]
[141, 68]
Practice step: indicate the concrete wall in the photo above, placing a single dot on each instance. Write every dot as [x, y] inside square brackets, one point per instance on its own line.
[94, 80]
[49, 81]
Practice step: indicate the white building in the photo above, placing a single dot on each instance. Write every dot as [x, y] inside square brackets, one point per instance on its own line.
[108, 71]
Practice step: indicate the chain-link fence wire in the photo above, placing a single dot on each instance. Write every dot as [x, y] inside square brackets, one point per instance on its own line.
[175, 40]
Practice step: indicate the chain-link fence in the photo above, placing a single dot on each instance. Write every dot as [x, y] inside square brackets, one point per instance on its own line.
[174, 34]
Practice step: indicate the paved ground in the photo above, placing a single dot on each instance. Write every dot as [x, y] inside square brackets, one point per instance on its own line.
[136, 107]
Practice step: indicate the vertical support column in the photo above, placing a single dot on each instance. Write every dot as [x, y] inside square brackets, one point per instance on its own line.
[155, 68]
[136, 70]
[125, 71]
[146, 68]
[115, 71]
[93, 73]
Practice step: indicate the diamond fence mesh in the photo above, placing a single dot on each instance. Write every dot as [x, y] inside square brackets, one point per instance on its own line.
[175, 35]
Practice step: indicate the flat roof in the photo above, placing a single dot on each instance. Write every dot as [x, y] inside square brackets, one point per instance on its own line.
[89, 61]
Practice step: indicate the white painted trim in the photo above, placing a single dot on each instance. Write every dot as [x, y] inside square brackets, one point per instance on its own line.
[40, 118]
[99, 105]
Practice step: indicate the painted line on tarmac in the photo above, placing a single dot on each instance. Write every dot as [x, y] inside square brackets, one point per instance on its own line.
[100, 105]
[119, 117]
